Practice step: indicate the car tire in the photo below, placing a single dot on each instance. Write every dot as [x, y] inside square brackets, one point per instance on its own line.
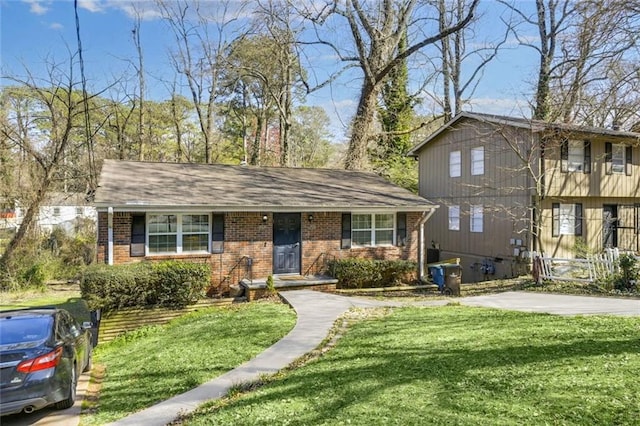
[71, 399]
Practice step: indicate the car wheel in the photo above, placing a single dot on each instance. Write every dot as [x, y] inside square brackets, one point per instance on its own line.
[67, 403]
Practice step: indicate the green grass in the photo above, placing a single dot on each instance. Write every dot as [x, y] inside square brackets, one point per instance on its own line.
[456, 365]
[153, 364]
[60, 296]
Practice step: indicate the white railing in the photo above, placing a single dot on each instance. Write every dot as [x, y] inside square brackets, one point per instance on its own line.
[593, 268]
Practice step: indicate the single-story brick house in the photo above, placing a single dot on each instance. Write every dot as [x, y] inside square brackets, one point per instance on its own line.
[272, 220]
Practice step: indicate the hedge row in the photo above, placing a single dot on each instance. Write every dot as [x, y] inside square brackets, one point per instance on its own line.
[170, 283]
[366, 273]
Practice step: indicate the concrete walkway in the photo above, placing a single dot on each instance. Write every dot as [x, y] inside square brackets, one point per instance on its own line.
[317, 313]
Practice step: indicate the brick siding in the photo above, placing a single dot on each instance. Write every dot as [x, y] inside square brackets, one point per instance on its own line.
[246, 235]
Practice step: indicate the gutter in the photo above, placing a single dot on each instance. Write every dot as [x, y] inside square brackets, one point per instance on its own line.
[110, 236]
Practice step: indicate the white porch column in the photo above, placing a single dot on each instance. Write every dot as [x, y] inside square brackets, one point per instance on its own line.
[421, 242]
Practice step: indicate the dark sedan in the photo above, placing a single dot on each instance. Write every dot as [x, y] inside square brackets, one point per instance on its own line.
[42, 353]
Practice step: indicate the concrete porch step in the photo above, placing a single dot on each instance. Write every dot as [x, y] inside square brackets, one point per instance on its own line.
[257, 288]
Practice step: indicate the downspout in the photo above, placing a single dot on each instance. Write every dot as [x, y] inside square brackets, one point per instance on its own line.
[110, 236]
[421, 242]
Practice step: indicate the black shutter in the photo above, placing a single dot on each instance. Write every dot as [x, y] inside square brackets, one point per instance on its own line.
[564, 156]
[587, 157]
[217, 233]
[401, 231]
[578, 219]
[346, 231]
[608, 158]
[138, 224]
[628, 160]
[555, 225]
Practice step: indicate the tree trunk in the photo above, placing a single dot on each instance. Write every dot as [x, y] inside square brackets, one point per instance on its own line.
[362, 130]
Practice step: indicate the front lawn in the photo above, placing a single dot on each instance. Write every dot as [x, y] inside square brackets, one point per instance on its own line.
[456, 365]
[152, 364]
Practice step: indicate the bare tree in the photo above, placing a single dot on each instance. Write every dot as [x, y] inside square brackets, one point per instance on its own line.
[457, 57]
[44, 134]
[199, 55]
[376, 30]
[578, 43]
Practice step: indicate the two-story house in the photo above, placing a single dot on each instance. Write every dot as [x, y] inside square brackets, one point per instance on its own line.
[508, 186]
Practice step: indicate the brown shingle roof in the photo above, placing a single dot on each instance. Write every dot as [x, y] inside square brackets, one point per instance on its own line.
[142, 185]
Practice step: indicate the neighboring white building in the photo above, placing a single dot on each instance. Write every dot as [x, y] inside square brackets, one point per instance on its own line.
[61, 210]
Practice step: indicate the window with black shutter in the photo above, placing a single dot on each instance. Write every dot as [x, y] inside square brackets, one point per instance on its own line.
[138, 223]
[217, 233]
[346, 231]
[401, 231]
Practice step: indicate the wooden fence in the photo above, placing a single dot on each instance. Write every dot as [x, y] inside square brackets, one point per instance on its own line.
[591, 269]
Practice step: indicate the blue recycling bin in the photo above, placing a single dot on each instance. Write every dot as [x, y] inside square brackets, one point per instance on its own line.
[437, 275]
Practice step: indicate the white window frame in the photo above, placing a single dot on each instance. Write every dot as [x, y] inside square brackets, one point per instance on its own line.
[454, 218]
[373, 229]
[178, 233]
[455, 164]
[575, 157]
[477, 161]
[476, 221]
[567, 219]
[618, 158]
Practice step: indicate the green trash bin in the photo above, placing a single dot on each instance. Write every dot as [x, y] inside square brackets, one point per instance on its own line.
[452, 279]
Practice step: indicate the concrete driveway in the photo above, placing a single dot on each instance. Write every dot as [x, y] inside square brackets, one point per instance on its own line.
[555, 303]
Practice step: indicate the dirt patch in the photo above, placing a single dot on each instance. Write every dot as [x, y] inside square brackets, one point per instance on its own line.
[92, 395]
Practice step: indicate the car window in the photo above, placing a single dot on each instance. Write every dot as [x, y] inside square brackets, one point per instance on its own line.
[67, 326]
[24, 329]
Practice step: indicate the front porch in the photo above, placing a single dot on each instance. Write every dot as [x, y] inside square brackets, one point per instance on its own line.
[255, 289]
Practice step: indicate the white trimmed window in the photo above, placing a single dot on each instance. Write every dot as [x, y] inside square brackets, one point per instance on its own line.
[455, 164]
[454, 218]
[477, 161]
[178, 233]
[476, 218]
[373, 229]
[567, 219]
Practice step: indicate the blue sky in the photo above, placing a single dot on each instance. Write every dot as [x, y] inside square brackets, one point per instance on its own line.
[36, 31]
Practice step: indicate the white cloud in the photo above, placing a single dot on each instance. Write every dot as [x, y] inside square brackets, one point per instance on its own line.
[500, 106]
[56, 26]
[90, 5]
[145, 10]
[36, 7]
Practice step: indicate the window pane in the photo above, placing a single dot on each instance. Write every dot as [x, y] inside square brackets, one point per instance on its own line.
[477, 161]
[195, 223]
[384, 221]
[163, 224]
[567, 219]
[384, 237]
[162, 243]
[361, 238]
[576, 156]
[455, 164]
[195, 242]
[454, 218]
[617, 158]
[476, 219]
[361, 221]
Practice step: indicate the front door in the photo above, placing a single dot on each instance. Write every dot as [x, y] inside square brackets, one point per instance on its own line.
[286, 243]
[609, 226]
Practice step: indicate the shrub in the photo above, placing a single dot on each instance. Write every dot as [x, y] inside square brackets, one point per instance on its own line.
[366, 273]
[170, 284]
